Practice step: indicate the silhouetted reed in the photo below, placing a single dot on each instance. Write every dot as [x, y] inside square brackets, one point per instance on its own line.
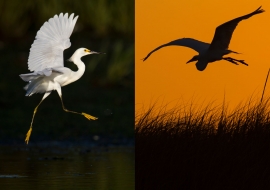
[209, 147]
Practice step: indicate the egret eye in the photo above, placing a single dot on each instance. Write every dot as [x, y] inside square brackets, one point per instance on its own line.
[40, 61]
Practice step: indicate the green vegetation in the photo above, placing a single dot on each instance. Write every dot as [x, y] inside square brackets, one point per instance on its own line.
[106, 90]
[104, 17]
[204, 148]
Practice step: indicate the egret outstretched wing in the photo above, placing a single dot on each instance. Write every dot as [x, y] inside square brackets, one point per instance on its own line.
[51, 40]
[197, 45]
[223, 33]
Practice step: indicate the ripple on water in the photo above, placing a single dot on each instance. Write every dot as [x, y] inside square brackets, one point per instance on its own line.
[12, 176]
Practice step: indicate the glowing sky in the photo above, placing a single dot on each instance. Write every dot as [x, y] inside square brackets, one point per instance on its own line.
[165, 77]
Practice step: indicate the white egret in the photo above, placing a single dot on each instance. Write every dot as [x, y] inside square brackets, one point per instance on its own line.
[217, 49]
[47, 63]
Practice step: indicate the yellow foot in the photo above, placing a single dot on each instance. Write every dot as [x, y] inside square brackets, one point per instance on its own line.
[28, 135]
[90, 117]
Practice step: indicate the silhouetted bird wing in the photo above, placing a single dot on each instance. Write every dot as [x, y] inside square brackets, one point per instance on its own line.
[187, 42]
[223, 33]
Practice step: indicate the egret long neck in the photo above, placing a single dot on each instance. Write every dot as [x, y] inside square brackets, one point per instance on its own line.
[81, 68]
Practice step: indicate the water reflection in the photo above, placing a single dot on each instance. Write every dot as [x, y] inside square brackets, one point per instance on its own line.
[67, 167]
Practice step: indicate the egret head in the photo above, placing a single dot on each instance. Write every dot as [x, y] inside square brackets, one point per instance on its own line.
[195, 58]
[82, 52]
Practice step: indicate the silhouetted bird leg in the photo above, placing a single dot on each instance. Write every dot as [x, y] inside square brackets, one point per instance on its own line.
[230, 60]
[243, 62]
[234, 61]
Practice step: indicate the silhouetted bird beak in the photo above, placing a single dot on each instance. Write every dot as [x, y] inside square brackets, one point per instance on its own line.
[191, 60]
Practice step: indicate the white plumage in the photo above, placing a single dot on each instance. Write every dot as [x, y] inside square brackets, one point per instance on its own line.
[51, 40]
[47, 62]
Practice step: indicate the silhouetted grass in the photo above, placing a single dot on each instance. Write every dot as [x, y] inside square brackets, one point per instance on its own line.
[204, 148]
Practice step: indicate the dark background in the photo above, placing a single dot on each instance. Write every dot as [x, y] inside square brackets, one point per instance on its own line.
[106, 89]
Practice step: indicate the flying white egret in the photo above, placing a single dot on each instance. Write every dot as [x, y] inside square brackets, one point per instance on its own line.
[217, 49]
[47, 63]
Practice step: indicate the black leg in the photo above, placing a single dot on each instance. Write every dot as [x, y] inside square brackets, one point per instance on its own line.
[230, 60]
[234, 61]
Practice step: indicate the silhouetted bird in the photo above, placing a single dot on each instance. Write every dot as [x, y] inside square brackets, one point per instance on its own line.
[217, 49]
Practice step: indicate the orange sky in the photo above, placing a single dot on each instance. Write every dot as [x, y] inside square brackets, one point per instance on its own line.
[165, 77]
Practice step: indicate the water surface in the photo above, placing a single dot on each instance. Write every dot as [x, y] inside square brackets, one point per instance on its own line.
[67, 167]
